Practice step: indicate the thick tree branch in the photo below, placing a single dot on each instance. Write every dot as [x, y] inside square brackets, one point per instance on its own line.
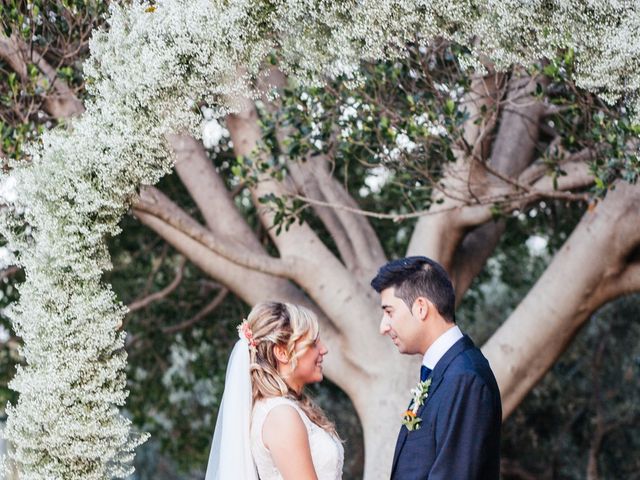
[577, 177]
[348, 227]
[624, 279]
[629, 281]
[574, 285]
[63, 103]
[197, 173]
[332, 287]
[60, 101]
[155, 203]
[253, 287]
[363, 238]
[306, 182]
[438, 235]
[538, 169]
[476, 247]
[363, 253]
[12, 54]
[513, 151]
[302, 174]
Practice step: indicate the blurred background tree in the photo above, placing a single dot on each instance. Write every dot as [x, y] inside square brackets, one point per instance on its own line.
[389, 141]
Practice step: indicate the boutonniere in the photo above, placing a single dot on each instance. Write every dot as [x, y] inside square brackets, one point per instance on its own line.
[410, 419]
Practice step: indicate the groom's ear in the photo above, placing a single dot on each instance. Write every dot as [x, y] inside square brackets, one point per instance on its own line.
[421, 308]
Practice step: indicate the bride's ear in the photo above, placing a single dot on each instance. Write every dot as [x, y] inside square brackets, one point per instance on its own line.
[281, 353]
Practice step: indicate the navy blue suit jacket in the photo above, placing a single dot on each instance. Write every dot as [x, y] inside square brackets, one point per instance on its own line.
[459, 437]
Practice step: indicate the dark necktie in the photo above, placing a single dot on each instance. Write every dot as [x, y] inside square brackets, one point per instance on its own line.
[424, 372]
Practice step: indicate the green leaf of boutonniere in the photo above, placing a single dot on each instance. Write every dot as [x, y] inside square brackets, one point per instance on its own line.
[410, 419]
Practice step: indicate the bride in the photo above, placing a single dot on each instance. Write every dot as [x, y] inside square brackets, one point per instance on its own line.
[267, 427]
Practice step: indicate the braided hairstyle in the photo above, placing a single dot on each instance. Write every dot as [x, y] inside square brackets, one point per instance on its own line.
[285, 324]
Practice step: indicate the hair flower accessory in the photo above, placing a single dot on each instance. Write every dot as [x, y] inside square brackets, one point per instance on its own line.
[244, 331]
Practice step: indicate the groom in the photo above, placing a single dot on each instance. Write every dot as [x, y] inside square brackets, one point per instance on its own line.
[458, 433]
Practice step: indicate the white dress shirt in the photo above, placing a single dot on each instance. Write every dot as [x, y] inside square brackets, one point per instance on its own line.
[438, 348]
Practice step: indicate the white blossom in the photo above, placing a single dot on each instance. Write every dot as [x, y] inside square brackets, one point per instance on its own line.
[377, 177]
[8, 190]
[347, 114]
[5, 335]
[213, 133]
[536, 245]
[437, 129]
[441, 87]
[404, 143]
[7, 258]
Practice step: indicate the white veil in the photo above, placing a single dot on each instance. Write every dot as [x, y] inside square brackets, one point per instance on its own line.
[230, 457]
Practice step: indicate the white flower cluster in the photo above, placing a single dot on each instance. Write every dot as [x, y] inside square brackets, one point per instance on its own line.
[147, 74]
[181, 381]
[319, 38]
[603, 35]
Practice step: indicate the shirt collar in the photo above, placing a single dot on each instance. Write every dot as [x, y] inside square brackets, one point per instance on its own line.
[438, 348]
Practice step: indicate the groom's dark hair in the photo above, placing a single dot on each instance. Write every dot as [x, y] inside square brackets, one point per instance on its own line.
[414, 277]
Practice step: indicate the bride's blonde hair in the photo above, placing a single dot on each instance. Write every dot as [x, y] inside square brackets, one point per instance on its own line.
[275, 323]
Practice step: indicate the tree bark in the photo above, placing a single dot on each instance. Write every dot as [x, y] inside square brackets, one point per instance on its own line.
[459, 238]
[577, 282]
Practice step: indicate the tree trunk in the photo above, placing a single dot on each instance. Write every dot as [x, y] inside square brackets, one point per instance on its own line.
[380, 406]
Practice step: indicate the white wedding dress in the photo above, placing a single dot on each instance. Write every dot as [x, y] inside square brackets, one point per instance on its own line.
[327, 452]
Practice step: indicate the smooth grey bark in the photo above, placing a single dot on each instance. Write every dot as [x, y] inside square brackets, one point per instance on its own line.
[589, 270]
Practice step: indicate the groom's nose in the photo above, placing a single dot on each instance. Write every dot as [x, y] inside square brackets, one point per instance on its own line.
[384, 325]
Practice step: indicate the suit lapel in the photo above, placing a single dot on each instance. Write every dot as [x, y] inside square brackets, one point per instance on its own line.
[437, 376]
[465, 343]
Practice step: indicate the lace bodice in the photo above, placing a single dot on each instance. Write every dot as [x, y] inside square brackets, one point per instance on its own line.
[327, 452]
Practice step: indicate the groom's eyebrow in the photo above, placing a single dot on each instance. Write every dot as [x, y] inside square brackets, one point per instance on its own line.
[385, 307]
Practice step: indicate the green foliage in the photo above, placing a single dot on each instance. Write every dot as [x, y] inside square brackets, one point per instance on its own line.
[389, 139]
[593, 386]
[361, 131]
[59, 32]
[175, 377]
